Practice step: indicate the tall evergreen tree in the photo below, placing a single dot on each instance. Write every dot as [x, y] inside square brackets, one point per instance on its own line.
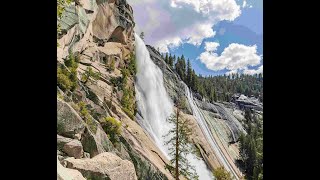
[189, 74]
[171, 61]
[179, 146]
[166, 59]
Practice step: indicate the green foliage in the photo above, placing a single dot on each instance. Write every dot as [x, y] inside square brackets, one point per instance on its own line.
[179, 147]
[112, 127]
[89, 73]
[63, 79]
[116, 81]
[132, 65]
[221, 174]
[67, 75]
[84, 113]
[251, 147]
[83, 109]
[128, 102]
[217, 88]
[130, 113]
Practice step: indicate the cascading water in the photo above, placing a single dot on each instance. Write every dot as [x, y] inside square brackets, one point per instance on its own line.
[155, 105]
[205, 129]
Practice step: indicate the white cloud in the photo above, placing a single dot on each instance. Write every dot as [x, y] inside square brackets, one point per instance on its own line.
[253, 71]
[183, 21]
[166, 43]
[200, 32]
[234, 57]
[211, 46]
[244, 3]
[222, 9]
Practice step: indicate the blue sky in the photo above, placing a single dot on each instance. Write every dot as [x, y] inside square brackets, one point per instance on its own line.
[218, 36]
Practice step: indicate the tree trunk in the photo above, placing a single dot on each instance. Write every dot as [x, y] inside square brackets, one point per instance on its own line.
[177, 146]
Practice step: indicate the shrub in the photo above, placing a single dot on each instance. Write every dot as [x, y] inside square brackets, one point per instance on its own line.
[132, 65]
[83, 109]
[86, 116]
[221, 174]
[63, 81]
[89, 73]
[67, 76]
[128, 112]
[112, 127]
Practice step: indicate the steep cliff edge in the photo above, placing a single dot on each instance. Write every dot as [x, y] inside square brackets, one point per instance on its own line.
[96, 98]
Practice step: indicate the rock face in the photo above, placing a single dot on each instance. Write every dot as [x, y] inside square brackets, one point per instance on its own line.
[68, 174]
[99, 33]
[74, 149]
[104, 166]
[69, 122]
[245, 102]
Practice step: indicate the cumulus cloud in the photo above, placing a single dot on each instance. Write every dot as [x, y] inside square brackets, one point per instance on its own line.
[253, 71]
[211, 46]
[234, 57]
[173, 22]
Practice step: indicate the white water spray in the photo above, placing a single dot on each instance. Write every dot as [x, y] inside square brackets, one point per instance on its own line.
[156, 106]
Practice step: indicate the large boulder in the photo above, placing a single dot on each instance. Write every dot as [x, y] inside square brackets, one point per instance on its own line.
[68, 174]
[103, 166]
[69, 122]
[61, 141]
[74, 149]
[90, 143]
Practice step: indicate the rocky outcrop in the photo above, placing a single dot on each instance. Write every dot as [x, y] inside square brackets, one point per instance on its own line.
[104, 166]
[68, 174]
[74, 149]
[245, 102]
[69, 122]
[99, 32]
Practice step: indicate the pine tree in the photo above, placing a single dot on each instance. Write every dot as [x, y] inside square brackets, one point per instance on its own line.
[166, 59]
[171, 61]
[179, 146]
[183, 68]
[189, 74]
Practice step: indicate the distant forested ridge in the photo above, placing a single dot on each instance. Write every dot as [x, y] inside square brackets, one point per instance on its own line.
[216, 88]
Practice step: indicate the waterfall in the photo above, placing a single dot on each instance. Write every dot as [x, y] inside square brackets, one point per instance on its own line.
[205, 129]
[155, 106]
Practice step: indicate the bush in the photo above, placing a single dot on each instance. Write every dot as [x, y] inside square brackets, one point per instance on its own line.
[132, 65]
[221, 174]
[89, 73]
[128, 102]
[63, 80]
[112, 127]
[83, 109]
[86, 116]
[67, 76]
[128, 112]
